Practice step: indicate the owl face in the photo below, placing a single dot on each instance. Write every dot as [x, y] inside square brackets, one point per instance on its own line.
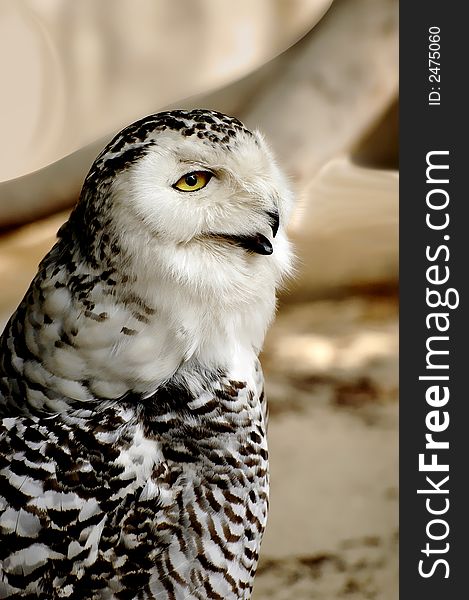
[189, 192]
[199, 196]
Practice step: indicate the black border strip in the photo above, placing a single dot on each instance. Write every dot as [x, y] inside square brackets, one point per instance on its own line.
[424, 128]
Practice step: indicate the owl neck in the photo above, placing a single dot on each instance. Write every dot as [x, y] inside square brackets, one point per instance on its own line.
[221, 300]
[83, 335]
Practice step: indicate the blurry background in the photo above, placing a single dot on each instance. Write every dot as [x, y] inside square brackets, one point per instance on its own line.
[319, 78]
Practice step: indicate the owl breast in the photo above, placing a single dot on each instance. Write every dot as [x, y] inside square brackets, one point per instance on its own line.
[215, 493]
[161, 498]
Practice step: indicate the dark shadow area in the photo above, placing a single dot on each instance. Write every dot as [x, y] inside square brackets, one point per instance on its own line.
[379, 148]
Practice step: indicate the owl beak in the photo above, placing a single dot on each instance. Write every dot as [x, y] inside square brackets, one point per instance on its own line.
[274, 220]
[257, 243]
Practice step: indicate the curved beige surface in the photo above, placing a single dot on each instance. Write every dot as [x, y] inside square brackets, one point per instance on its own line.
[312, 102]
[75, 71]
[346, 229]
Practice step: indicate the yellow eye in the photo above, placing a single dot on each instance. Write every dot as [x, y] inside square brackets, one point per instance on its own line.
[193, 181]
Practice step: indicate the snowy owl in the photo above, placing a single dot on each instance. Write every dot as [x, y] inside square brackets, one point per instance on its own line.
[133, 455]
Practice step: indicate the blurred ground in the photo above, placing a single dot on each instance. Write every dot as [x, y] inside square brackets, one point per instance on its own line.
[331, 371]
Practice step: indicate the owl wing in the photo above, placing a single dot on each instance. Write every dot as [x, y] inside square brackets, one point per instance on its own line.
[72, 508]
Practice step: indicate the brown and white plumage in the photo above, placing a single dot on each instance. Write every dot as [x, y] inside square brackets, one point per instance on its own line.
[133, 456]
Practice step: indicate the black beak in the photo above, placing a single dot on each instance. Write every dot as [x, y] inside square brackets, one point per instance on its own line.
[274, 221]
[257, 243]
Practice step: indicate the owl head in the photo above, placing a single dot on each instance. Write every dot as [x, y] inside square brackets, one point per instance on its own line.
[190, 196]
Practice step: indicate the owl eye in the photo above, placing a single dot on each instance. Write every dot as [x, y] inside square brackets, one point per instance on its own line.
[193, 181]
